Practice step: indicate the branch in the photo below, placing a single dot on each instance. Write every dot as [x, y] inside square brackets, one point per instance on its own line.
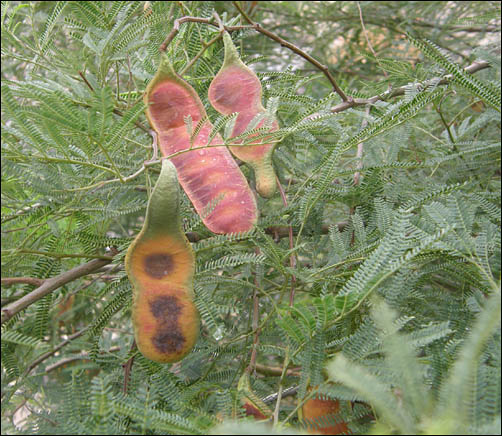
[8, 281]
[259, 29]
[58, 255]
[50, 285]
[54, 350]
[21, 212]
[348, 102]
[473, 68]
[286, 393]
[82, 356]
[295, 49]
[278, 232]
[277, 370]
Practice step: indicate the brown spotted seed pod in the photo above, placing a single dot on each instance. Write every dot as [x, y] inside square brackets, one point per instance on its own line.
[160, 265]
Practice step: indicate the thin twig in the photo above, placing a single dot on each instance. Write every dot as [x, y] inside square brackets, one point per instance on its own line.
[85, 81]
[44, 356]
[295, 49]
[443, 120]
[285, 393]
[176, 28]
[21, 212]
[220, 23]
[205, 45]
[292, 263]
[292, 257]
[57, 255]
[276, 370]
[136, 123]
[367, 38]
[127, 368]
[256, 316]
[360, 149]
[82, 356]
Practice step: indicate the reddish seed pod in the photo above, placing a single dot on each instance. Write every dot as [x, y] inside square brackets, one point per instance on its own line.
[236, 88]
[318, 416]
[209, 175]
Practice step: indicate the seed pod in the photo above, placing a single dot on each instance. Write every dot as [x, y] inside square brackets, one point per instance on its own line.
[160, 265]
[318, 416]
[210, 176]
[236, 88]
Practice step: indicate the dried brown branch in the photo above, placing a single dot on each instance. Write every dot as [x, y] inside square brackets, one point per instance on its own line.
[51, 285]
[348, 102]
[85, 81]
[8, 281]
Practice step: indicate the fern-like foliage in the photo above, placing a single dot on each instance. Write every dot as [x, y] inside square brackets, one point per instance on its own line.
[373, 281]
[488, 94]
[400, 393]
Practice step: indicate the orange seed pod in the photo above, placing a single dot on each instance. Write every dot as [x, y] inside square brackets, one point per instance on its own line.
[160, 265]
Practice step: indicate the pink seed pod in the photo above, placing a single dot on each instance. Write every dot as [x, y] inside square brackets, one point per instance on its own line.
[209, 175]
[236, 88]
